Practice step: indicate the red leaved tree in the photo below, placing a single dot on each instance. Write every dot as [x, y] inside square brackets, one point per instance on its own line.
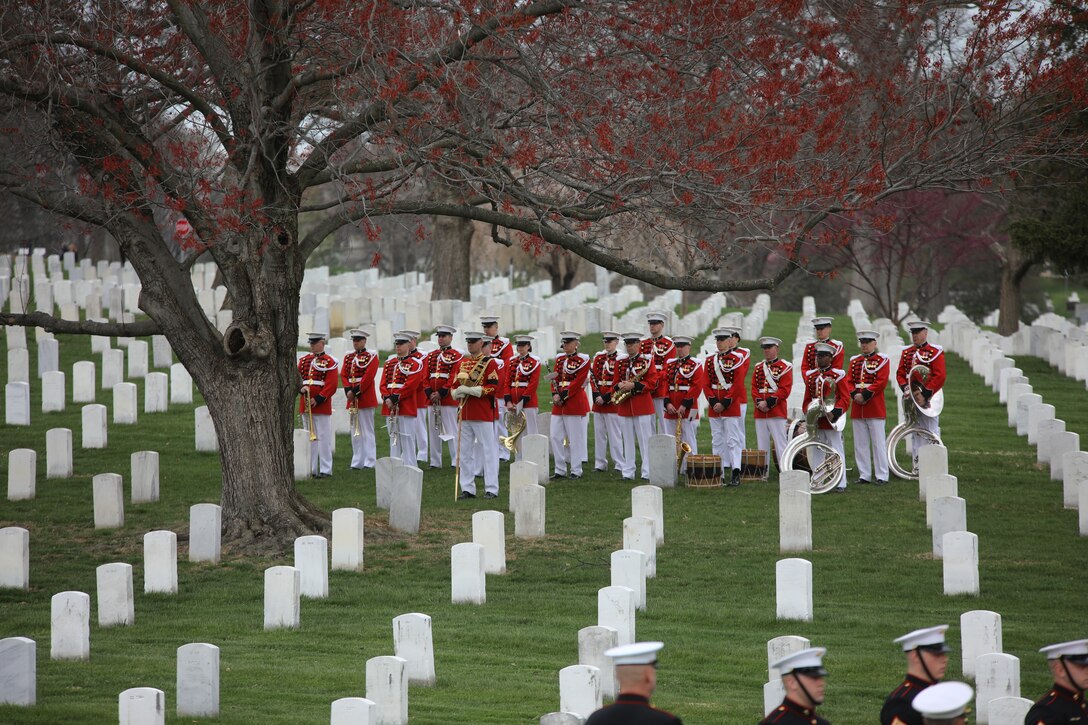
[713, 128]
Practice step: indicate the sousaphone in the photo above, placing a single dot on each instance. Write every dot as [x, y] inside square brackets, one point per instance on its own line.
[914, 405]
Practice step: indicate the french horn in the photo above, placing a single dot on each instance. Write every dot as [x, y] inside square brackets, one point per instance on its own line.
[516, 422]
[914, 405]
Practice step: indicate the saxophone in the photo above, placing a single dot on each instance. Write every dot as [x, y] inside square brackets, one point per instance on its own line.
[623, 395]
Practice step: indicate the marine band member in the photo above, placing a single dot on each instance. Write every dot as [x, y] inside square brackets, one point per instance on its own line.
[662, 349]
[927, 660]
[684, 385]
[402, 377]
[922, 352]
[422, 406]
[637, 375]
[319, 378]
[440, 365]
[1064, 702]
[772, 381]
[357, 374]
[474, 386]
[868, 376]
[522, 383]
[821, 377]
[803, 676]
[724, 375]
[636, 676]
[500, 349]
[822, 328]
[607, 429]
[570, 407]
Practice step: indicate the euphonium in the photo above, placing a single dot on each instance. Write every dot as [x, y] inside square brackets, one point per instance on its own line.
[909, 427]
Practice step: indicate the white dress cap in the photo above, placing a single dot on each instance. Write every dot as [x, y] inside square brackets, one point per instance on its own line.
[1075, 650]
[409, 333]
[313, 336]
[817, 321]
[943, 701]
[523, 339]
[399, 337]
[681, 340]
[489, 320]
[825, 347]
[632, 336]
[638, 653]
[928, 637]
[609, 334]
[917, 325]
[474, 335]
[769, 341]
[358, 333]
[569, 335]
[656, 316]
[868, 335]
[813, 657]
[445, 329]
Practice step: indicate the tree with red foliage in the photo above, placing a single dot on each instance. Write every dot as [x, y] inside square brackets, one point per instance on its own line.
[907, 248]
[722, 128]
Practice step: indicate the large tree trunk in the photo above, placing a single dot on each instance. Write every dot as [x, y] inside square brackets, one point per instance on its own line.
[1013, 271]
[451, 261]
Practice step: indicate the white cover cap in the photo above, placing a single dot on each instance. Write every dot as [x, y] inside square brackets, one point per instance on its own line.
[638, 653]
[474, 335]
[868, 335]
[489, 320]
[314, 336]
[609, 334]
[943, 701]
[567, 335]
[656, 316]
[356, 332]
[811, 658]
[825, 347]
[913, 325]
[681, 340]
[523, 339]
[632, 336]
[927, 637]
[401, 337]
[409, 333]
[444, 329]
[821, 321]
[764, 341]
[1076, 650]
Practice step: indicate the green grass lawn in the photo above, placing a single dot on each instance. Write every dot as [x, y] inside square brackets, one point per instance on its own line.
[712, 601]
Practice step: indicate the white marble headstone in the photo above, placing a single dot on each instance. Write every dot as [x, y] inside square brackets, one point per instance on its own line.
[383, 480]
[145, 476]
[353, 711]
[18, 671]
[181, 385]
[629, 570]
[996, 675]
[1009, 710]
[109, 501]
[198, 680]
[207, 440]
[939, 486]
[116, 607]
[22, 474]
[281, 597]
[579, 690]
[662, 455]
[949, 514]
[1048, 433]
[53, 392]
[530, 514]
[348, 531]
[161, 562]
[413, 642]
[794, 521]
[205, 532]
[489, 531]
[407, 500]
[1074, 472]
[468, 581]
[142, 706]
[312, 562]
[137, 359]
[980, 634]
[932, 460]
[647, 501]
[793, 588]
[58, 453]
[960, 563]
[156, 386]
[593, 642]
[94, 426]
[70, 634]
[83, 382]
[14, 558]
[638, 534]
[387, 688]
[17, 404]
[616, 609]
[1060, 444]
[535, 448]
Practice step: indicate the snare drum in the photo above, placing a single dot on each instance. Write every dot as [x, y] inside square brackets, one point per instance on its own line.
[753, 465]
[704, 471]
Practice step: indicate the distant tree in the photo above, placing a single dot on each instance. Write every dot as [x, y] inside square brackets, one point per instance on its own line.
[712, 128]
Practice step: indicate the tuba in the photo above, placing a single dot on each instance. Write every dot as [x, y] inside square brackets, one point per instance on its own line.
[914, 405]
[825, 476]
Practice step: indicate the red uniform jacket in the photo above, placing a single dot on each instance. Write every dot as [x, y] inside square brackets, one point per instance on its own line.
[833, 376]
[808, 359]
[781, 374]
[684, 377]
[319, 374]
[441, 365]
[641, 401]
[869, 376]
[663, 350]
[421, 397]
[571, 372]
[402, 378]
[929, 355]
[481, 408]
[728, 389]
[357, 374]
[522, 381]
[603, 372]
[503, 351]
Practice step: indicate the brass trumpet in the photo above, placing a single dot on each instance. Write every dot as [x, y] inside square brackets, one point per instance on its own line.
[393, 425]
[353, 415]
[310, 417]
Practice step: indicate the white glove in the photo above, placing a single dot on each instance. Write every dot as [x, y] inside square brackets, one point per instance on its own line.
[474, 390]
[458, 393]
[521, 404]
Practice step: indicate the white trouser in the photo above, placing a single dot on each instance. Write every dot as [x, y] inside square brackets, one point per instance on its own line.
[321, 449]
[364, 446]
[768, 429]
[500, 428]
[568, 457]
[607, 440]
[479, 450]
[448, 415]
[422, 429]
[933, 425]
[869, 436]
[638, 427]
[405, 446]
[832, 438]
[727, 438]
[531, 427]
[658, 425]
